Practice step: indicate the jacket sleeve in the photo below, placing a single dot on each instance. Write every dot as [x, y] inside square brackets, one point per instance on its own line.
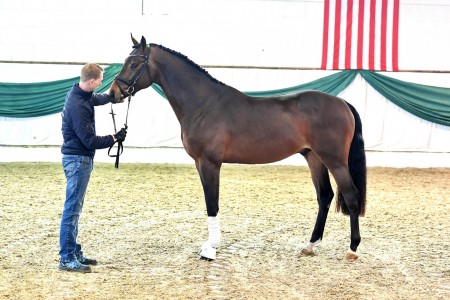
[85, 131]
[101, 99]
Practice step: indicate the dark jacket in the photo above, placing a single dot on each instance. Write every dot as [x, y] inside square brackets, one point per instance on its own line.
[78, 123]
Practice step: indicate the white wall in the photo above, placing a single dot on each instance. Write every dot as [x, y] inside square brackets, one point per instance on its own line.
[211, 32]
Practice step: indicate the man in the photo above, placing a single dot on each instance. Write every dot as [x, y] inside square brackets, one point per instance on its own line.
[78, 150]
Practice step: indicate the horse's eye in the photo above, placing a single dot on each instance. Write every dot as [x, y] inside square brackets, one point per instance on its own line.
[133, 66]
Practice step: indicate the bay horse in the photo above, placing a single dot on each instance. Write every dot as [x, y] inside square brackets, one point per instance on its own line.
[220, 124]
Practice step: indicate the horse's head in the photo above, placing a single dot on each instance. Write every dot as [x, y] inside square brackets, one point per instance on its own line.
[135, 73]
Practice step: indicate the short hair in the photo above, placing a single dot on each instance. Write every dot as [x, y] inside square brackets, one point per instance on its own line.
[90, 71]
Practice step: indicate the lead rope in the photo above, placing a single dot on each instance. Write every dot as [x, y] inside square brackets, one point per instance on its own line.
[119, 143]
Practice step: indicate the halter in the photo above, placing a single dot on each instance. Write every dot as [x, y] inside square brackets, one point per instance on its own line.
[129, 92]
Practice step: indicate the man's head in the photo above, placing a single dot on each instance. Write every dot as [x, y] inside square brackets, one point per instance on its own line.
[91, 77]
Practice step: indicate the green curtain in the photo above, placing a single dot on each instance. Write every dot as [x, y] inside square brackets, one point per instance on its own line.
[426, 102]
[22, 100]
[332, 84]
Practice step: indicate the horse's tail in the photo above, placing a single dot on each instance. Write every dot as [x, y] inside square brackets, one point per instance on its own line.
[357, 166]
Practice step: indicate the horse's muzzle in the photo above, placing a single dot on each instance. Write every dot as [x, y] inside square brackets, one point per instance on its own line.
[115, 92]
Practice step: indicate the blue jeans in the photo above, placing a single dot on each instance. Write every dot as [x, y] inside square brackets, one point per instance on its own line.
[77, 169]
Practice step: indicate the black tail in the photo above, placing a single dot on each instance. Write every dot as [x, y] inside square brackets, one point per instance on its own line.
[357, 166]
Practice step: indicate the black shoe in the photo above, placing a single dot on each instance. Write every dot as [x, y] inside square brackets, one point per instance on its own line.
[87, 261]
[74, 266]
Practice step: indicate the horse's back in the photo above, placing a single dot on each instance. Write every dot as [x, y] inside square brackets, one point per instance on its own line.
[264, 130]
[312, 109]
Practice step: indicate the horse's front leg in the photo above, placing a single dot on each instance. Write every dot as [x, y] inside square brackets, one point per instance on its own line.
[210, 175]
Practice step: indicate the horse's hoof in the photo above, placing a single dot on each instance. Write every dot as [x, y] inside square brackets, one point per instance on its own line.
[308, 252]
[309, 248]
[205, 258]
[207, 252]
[351, 255]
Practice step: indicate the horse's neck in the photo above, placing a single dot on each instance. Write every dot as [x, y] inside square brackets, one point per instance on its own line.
[183, 84]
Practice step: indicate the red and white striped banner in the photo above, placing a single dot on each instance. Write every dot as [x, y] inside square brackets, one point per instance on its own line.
[360, 34]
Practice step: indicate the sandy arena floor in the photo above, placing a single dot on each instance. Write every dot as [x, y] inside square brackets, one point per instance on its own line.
[146, 222]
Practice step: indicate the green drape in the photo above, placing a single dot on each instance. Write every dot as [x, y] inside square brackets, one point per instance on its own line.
[426, 102]
[22, 100]
[332, 84]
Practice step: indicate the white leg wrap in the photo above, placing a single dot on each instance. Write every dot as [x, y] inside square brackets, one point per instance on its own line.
[208, 249]
[208, 252]
[214, 231]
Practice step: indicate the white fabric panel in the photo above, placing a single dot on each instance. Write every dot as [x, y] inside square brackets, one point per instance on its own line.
[152, 122]
[31, 131]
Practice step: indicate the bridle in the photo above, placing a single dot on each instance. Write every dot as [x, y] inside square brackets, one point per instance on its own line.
[131, 83]
[129, 92]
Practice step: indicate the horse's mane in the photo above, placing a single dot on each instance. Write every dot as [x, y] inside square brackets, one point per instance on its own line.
[185, 58]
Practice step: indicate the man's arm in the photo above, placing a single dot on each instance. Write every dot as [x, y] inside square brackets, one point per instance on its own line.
[101, 99]
[86, 133]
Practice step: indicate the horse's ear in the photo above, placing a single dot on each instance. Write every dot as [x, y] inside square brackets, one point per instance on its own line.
[143, 43]
[134, 40]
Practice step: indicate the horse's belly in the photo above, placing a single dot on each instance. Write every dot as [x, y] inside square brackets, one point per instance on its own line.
[260, 153]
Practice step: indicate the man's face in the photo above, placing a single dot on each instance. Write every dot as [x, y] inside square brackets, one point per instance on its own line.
[95, 83]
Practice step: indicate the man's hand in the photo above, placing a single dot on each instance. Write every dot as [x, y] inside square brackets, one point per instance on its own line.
[120, 136]
[114, 99]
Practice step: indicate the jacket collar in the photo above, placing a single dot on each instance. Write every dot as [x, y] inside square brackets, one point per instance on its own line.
[78, 91]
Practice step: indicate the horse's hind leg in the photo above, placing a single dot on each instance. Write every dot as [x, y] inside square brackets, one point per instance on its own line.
[350, 193]
[321, 180]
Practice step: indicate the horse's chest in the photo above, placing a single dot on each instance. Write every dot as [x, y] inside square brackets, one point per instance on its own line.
[192, 143]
